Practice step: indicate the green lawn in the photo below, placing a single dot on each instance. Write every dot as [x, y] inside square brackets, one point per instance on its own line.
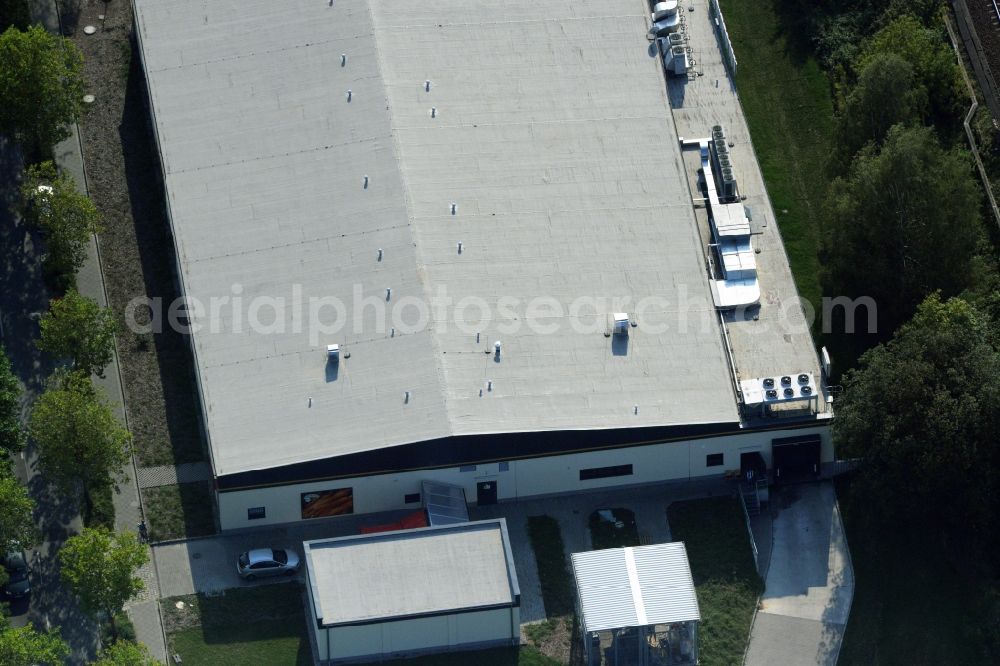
[786, 99]
[178, 511]
[914, 604]
[606, 534]
[558, 590]
[254, 625]
[724, 574]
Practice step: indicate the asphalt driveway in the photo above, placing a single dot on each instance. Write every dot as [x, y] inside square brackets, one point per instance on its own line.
[809, 584]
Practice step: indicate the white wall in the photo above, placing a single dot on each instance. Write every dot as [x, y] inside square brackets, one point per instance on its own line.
[524, 478]
[419, 634]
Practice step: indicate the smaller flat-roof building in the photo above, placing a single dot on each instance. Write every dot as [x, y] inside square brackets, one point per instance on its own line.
[402, 593]
[637, 605]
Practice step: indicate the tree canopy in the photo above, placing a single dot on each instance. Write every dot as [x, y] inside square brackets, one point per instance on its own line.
[66, 216]
[927, 51]
[17, 523]
[923, 411]
[125, 653]
[11, 433]
[79, 440]
[902, 223]
[99, 566]
[885, 95]
[27, 647]
[41, 85]
[76, 327]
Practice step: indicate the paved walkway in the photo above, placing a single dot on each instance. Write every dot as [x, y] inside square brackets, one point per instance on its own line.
[90, 282]
[169, 475]
[809, 584]
[208, 564]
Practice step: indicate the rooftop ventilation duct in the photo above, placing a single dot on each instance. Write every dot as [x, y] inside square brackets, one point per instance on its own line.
[662, 10]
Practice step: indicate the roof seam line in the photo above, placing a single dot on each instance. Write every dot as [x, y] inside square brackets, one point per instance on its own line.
[633, 583]
[408, 206]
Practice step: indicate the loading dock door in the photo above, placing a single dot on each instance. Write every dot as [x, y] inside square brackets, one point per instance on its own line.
[795, 458]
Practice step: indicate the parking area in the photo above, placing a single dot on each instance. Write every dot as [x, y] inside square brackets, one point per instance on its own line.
[209, 565]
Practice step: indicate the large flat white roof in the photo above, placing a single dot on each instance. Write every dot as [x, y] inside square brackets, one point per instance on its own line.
[394, 575]
[552, 135]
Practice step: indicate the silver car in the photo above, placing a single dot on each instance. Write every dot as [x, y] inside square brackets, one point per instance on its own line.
[261, 562]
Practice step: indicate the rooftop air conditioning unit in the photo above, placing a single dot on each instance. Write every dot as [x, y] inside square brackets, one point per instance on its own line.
[789, 392]
[772, 393]
[807, 390]
[769, 383]
[786, 381]
[678, 60]
[803, 378]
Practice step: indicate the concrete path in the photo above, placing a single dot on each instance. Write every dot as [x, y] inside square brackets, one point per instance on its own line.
[128, 507]
[170, 475]
[809, 584]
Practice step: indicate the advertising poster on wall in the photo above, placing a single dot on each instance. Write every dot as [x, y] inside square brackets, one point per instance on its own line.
[325, 503]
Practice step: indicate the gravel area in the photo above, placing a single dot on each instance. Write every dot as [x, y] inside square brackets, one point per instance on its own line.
[137, 254]
[987, 26]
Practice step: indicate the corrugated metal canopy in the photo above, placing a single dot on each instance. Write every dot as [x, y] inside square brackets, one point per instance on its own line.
[445, 503]
[633, 587]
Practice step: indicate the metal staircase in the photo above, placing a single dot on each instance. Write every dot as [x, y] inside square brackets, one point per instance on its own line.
[750, 498]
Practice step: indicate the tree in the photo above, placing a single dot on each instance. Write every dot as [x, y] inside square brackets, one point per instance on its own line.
[17, 523]
[77, 327]
[125, 653]
[66, 216]
[903, 223]
[99, 567]
[81, 444]
[11, 433]
[927, 51]
[27, 647]
[41, 85]
[885, 95]
[923, 411]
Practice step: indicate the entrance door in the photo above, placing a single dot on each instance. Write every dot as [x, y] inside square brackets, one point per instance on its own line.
[795, 458]
[486, 492]
[752, 467]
